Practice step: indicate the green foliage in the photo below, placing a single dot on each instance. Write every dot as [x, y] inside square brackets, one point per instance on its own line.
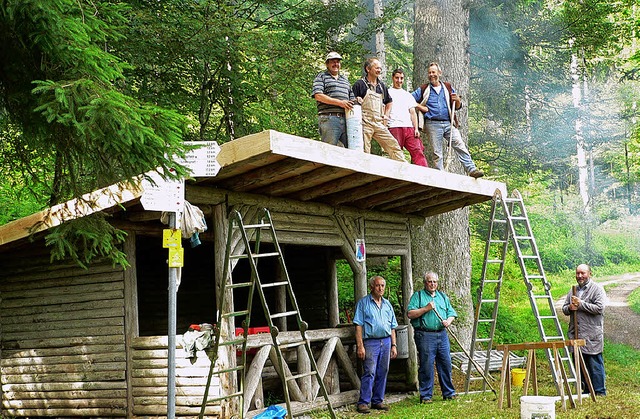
[634, 300]
[85, 239]
[391, 271]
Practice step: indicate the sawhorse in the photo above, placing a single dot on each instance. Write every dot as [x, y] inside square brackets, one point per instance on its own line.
[531, 372]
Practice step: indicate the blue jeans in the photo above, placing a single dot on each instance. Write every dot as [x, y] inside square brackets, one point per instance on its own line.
[595, 366]
[434, 347]
[376, 367]
[333, 129]
[438, 132]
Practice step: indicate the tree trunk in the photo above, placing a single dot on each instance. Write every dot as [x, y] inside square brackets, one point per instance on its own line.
[442, 244]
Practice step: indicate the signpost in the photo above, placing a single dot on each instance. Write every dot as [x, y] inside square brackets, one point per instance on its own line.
[167, 195]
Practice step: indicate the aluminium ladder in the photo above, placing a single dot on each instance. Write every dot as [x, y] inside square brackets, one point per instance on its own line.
[253, 254]
[510, 223]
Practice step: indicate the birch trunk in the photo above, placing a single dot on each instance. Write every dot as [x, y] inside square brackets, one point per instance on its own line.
[442, 244]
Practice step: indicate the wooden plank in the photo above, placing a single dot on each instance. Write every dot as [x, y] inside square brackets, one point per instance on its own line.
[66, 395]
[268, 174]
[66, 386]
[64, 342]
[7, 364]
[15, 322]
[46, 334]
[72, 412]
[43, 311]
[88, 204]
[349, 180]
[64, 377]
[319, 175]
[96, 294]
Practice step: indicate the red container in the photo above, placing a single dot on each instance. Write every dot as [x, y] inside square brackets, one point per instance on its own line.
[251, 331]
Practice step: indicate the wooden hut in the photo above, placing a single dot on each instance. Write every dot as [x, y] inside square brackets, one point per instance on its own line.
[93, 342]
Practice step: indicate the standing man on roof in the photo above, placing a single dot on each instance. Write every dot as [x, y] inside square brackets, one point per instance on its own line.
[437, 104]
[585, 304]
[375, 323]
[431, 338]
[376, 107]
[333, 94]
[403, 121]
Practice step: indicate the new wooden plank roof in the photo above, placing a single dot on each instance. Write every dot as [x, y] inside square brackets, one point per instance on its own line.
[280, 165]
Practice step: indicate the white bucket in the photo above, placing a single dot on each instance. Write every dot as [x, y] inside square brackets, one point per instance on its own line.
[402, 341]
[355, 139]
[537, 407]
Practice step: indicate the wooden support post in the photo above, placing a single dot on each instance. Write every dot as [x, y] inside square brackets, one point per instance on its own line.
[407, 292]
[333, 308]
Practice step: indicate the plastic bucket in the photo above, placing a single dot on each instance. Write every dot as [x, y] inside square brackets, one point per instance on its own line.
[355, 140]
[402, 341]
[537, 407]
[517, 376]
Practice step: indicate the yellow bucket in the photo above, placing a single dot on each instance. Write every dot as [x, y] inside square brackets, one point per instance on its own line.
[517, 376]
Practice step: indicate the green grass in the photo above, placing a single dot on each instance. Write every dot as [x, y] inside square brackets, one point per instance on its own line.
[622, 400]
[634, 300]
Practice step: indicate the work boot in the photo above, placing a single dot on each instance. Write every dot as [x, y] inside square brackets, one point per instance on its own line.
[380, 406]
[476, 173]
[362, 408]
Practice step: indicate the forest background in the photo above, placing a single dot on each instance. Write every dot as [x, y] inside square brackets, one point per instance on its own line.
[97, 91]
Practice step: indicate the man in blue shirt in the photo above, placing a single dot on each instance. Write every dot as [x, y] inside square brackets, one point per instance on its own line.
[333, 94]
[375, 322]
[430, 335]
[435, 101]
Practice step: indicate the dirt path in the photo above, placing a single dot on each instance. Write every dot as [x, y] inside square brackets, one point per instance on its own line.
[620, 322]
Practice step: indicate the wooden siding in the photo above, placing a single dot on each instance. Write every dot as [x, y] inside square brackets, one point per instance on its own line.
[149, 379]
[62, 337]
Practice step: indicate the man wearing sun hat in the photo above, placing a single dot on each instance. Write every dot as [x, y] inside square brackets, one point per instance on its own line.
[333, 94]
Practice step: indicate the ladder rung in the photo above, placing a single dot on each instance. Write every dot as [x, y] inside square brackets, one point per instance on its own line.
[511, 200]
[547, 317]
[486, 320]
[500, 221]
[539, 297]
[496, 241]
[237, 368]
[483, 340]
[274, 284]
[261, 225]
[238, 285]
[232, 342]
[242, 256]
[266, 255]
[491, 281]
[523, 237]
[301, 375]
[518, 218]
[235, 314]
[283, 314]
[475, 378]
[495, 261]
[535, 276]
[489, 301]
[529, 257]
[292, 344]
[555, 338]
[226, 396]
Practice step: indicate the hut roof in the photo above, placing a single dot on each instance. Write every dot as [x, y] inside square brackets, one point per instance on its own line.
[276, 164]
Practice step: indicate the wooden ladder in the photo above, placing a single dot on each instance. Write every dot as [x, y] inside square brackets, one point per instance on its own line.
[291, 310]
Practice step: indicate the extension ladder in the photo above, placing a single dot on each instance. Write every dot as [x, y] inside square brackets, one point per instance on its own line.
[510, 223]
[253, 254]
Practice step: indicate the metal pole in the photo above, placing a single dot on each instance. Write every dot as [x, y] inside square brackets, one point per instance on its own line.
[171, 334]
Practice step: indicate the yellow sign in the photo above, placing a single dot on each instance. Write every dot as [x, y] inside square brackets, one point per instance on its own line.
[171, 238]
[176, 257]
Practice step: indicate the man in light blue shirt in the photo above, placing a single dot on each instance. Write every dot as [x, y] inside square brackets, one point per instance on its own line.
[375, 323]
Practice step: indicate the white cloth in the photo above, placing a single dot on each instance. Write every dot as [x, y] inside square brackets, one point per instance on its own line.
[402, 102]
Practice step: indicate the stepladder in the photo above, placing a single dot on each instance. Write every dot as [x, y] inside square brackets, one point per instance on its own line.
[250, 244]
[510, 225]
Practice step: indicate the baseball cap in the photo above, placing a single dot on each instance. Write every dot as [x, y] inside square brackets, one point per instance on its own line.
[333, 55]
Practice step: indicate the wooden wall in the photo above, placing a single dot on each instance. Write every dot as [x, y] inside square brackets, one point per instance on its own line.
[62, 337]
[149, 379]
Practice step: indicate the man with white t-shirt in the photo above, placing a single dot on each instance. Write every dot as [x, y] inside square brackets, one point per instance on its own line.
[403, 121]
